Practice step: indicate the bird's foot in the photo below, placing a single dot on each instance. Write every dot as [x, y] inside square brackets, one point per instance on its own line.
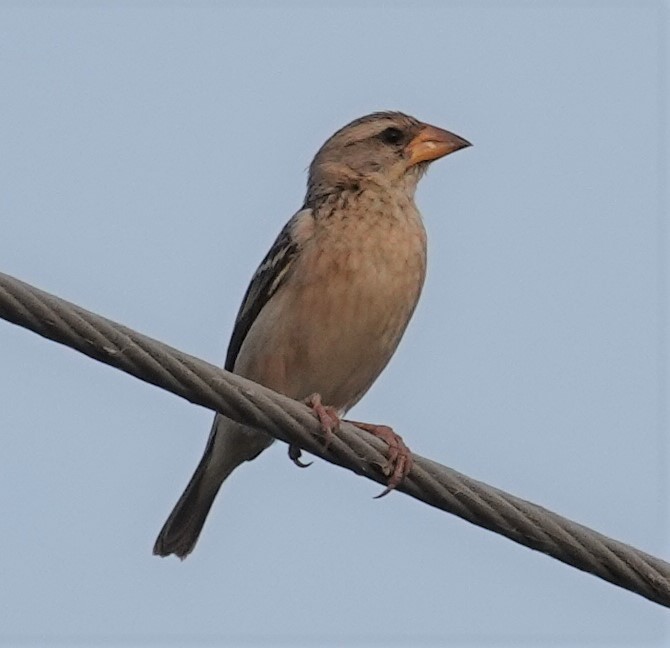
[398, 459]
[330, 423]
[328, 418]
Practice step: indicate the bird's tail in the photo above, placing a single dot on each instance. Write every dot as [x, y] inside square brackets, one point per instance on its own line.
[229, 445]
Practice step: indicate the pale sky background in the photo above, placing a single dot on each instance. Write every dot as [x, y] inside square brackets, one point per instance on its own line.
[150, 154]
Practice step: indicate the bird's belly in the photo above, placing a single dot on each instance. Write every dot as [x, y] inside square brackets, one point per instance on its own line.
[354, 338]
[337, 327]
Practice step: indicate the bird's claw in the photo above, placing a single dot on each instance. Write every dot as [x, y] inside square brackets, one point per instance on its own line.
[329, 421]
[398, 462]
[398, 459]
[294, 454]
[328, 417]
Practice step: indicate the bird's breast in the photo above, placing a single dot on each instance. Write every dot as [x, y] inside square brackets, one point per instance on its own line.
[336, 322]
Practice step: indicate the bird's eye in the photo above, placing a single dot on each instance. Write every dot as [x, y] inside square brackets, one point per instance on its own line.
[391, 135]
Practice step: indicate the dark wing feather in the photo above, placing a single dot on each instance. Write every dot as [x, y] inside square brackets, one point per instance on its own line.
[271, 274]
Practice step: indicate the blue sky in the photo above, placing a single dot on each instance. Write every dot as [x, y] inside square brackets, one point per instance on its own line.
[151, 153]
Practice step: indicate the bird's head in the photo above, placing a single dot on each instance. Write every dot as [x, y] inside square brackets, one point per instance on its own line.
[388, 149]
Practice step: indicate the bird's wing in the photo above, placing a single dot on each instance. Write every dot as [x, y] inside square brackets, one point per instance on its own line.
[271, 274]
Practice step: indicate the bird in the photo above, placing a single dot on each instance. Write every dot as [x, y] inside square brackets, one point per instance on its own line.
[327, 306]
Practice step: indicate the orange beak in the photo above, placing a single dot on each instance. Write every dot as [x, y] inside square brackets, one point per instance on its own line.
[432, 143]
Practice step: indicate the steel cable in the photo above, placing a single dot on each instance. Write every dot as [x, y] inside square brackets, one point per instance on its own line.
[292, 422]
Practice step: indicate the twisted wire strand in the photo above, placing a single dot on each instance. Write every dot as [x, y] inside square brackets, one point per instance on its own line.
[246, 402]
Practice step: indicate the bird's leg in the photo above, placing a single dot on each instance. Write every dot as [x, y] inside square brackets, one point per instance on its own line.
[329, 420]
[399, 458]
